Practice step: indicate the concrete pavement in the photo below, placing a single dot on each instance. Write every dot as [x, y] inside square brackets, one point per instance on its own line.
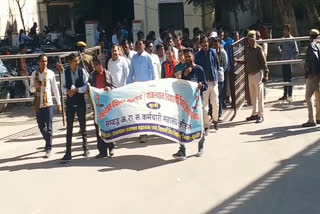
[247, 168]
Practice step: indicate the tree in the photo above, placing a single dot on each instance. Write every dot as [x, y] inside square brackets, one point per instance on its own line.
[21, 4]
[286, 9]
[233, 6]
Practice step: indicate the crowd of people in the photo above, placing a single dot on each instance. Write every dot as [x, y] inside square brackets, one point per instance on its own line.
[206, 59]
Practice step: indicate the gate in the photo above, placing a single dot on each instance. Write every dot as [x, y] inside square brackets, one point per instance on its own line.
[238, 77]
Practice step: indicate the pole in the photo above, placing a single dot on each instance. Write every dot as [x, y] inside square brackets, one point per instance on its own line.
[62, 97]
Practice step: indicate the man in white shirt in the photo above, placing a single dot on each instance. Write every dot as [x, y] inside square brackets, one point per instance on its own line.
[155, 59]
[43, 83]
[127, 53]
[118, 67]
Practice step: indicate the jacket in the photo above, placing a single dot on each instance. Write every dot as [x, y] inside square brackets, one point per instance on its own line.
[214, 62]
[312, 64]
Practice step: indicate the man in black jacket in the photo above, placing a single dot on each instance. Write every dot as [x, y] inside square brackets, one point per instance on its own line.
[74, 84]
[101, 78]
[312, 69]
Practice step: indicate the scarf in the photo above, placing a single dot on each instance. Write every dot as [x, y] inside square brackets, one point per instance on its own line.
[37, 97]
[169, 72]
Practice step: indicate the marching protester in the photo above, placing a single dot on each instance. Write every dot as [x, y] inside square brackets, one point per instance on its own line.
[167, 68]
[141, 70]
[128, 53]
[168, 41]
[155, 59]
[186, 42]
[101, 78]
[223, 63]
[288, 51]
[256, 66]
[312, 69]
[193, 73]
[160, 39]
[118, 67]
[207, 58]
[43, 83]
[74, 84]
[178, 42]
[161, 53]
[181, 66]
[196, 44]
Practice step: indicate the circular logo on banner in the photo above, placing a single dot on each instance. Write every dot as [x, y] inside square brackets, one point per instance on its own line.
[153, 105]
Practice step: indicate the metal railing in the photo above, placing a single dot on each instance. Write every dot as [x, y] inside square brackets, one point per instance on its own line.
[62, 58]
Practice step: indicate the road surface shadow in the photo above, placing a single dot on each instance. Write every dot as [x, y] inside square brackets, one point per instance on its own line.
[279, 132]
[131, 162]
[291, 188]
[284, 106]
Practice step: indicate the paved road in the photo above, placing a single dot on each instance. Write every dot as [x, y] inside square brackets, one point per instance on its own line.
[268, 168]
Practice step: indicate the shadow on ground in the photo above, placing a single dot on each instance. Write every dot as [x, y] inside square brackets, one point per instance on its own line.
[291, 188]
[279, 132]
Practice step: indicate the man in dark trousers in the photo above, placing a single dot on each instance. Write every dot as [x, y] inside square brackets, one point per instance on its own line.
[101, 78]
[194, 73]
[74, 84]
[43, 83]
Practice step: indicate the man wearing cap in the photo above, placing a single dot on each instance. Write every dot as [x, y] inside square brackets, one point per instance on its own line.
[86, 59]
[256, 63]
[312, 73]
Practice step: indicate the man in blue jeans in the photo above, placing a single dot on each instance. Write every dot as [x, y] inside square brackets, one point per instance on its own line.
[192, 73]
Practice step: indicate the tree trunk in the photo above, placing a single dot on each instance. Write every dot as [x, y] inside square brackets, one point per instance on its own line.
[236, 19]
[312, 15]
[21, 14]
[287, 16]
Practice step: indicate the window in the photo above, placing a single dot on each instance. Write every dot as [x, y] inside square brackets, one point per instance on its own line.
[171, 14]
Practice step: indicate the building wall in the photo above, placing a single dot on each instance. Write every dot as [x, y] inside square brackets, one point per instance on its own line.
[192, 17]
[147, 12]
[10, 16]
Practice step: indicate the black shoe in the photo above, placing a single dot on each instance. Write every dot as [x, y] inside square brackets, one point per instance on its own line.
[66, 158]
[252, 117]
[215, 125]
[260, 120]
[86, 153]
[180, 155]
[283, 98]
[309, 124]
[111, 152]
[318, 121]
[100, 155]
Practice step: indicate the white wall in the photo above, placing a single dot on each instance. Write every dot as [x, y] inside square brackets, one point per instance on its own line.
[192, 18]
[147, 11]
[9, 14]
